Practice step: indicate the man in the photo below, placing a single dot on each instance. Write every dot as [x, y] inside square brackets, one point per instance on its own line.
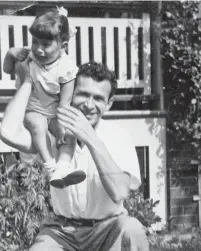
[90, 215]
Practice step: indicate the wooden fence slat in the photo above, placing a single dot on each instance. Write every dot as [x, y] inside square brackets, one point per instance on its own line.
[18, 39]
[109, 24]
[97, 44]
[147, 52]
[110, 47]
[122, 57]
[84, 44]
[4, 48]
[72, 48]
[134, 53]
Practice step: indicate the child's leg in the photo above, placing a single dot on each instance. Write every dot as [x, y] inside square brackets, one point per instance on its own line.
[38, 126]
[64, 175]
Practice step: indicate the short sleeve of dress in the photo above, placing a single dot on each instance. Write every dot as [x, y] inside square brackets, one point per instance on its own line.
[121, 148]
[67, 69]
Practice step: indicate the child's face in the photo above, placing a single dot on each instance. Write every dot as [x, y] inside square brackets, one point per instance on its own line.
[46, 51]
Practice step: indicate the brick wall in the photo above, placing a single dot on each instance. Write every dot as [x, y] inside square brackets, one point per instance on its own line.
[183, 184]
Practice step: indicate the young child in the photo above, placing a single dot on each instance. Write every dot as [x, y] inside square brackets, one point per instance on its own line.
[52, 73]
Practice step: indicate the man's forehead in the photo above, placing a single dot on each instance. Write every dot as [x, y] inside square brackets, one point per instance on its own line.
[85, 80]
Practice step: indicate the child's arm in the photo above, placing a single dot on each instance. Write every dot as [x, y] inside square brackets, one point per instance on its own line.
[66, 93]
[13, 55]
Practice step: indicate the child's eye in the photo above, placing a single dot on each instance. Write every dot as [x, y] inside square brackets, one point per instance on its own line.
[34, 41]
[46, 43]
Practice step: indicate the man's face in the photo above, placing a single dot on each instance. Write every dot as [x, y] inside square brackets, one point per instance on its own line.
[92, 98]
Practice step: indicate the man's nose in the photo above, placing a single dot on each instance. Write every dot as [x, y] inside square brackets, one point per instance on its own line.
[90, 103]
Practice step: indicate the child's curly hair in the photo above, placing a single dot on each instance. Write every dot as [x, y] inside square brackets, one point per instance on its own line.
[51, 25]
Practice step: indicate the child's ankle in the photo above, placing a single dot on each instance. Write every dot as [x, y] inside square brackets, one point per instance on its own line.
[63, 163]
[50, 165]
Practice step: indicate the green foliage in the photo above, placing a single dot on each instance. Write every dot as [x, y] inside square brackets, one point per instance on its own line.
[24, 203]
[142, 209]
[191, 241]
[180, 50]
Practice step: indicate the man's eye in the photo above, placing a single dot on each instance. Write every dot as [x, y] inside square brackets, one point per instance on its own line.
[100, 99]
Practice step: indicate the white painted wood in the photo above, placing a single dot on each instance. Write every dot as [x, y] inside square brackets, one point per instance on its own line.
[134, 53]
[149, 131]
[146, 54]
[96, 23]
[72, 47]
[110, 47]
[97, 44]
[84, 44]
[198, 197]
[122, 57]
[18, 36]
[4, 48]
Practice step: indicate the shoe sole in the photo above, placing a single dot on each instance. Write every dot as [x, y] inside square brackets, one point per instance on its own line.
[71, 179]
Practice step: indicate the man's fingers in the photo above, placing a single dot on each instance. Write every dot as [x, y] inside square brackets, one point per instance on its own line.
[65, 119]
[68, 111]
[69, 127]
[69, 108]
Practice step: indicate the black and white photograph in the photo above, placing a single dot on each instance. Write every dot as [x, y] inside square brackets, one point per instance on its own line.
[100, 125]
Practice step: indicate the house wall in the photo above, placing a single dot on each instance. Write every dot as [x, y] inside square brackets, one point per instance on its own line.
[149, 129]
[183, 183]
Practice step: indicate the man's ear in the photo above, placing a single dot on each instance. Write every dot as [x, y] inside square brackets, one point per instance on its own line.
[110, 103]
[64, 45]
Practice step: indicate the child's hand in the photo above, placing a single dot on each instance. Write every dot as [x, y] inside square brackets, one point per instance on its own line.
[23, 71]
[19, 53]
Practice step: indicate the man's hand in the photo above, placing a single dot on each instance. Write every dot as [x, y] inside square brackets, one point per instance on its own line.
[75, 121]
[19, 54]
[23, 71]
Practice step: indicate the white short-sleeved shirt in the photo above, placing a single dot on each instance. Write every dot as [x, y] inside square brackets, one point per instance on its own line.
[89, 199]
[47, 80]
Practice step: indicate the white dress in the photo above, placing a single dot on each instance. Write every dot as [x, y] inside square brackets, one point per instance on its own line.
[47, 81]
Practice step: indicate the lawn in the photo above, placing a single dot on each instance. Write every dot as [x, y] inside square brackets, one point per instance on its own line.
[177, 241]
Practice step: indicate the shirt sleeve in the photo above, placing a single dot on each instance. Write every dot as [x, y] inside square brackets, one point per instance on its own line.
[122, 149]
[68, 70]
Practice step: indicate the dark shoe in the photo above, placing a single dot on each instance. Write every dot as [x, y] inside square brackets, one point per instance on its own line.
[72, 178]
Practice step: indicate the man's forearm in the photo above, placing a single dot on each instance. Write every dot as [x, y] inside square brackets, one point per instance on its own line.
[12, 130]
[115, 182]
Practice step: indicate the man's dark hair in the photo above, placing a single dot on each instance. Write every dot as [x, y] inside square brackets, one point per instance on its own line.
[98, 72]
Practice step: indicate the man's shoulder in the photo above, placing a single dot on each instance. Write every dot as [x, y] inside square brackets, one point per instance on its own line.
[111, 130]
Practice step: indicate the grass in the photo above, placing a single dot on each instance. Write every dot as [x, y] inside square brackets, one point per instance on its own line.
[177, 241]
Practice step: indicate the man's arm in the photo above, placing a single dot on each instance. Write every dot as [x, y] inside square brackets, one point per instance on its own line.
[12, 130]
[116, 182]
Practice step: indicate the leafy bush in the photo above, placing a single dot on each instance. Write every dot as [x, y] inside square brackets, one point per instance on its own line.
[24, 203]
[179, 241]
[142, 209]
[180, 51]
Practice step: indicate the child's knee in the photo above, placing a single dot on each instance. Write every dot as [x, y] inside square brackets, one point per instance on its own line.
[36, 124]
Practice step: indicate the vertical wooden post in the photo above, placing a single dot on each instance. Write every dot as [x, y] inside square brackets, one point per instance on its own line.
[199, 192]
[156, 65]
[198, 197]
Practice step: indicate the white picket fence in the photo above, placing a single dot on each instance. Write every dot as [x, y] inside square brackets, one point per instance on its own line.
[123, 44]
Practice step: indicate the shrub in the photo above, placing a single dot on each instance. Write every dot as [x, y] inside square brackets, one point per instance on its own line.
[142, 209]
[24, 203]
